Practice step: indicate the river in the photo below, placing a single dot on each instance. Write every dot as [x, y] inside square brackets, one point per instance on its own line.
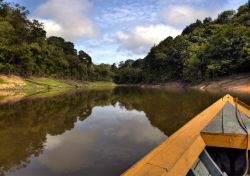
[92, 132]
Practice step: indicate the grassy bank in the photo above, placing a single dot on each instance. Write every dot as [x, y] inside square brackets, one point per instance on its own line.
[15, 88]
[12, 82]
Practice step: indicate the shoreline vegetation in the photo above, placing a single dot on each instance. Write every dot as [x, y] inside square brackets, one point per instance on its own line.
[207, 50]
[236, 83]
[15, 88]
[13, 82]
[25, 50]
[209, 55]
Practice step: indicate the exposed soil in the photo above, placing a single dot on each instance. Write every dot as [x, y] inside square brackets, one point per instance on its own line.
[9, 82]
[9, 96]
[236, 83]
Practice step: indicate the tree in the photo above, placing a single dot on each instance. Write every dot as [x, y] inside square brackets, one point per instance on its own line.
[189, 29]
[225, 16]
[25, 50]
[85, 57]
[205, 50]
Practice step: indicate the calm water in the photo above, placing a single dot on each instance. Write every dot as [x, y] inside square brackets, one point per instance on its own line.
[94, 132]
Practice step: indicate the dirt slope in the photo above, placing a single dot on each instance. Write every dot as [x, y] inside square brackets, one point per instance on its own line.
[236, 83]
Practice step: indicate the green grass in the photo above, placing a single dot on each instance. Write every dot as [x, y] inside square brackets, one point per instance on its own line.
[29, 84]
[50, 81]
[3, 81]
[100, 84]
[37, 83]
[3, 97]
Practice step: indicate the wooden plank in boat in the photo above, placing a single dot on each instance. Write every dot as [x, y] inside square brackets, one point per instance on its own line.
[205, 165]
[186, 161]
[225, 122]
[151, 170]
[179, 152]
[225, 130]
[225, 141]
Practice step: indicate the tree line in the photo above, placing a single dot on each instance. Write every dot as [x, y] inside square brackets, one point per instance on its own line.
[204, 51]
[25, 50]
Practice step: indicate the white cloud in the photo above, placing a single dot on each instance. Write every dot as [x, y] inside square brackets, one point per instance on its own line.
[106, 52]
[51, 27]
[185, 14]
[141, 38]
[66, 18]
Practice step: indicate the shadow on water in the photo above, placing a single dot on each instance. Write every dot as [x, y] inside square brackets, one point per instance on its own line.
[91, 132]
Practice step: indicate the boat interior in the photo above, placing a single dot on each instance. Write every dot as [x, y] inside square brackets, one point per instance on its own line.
[215, 142]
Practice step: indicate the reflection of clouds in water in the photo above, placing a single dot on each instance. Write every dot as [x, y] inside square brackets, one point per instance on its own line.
[52, 142]
[103, 142]
[121, 123]
[69, 155]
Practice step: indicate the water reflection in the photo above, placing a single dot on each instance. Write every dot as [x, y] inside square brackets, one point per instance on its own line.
[94, 132]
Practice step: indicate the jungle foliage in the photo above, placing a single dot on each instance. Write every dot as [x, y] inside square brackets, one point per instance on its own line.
[25, 50]
[204, 51]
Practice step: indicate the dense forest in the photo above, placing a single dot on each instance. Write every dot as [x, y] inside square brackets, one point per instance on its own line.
[25, 50]
[204, 51]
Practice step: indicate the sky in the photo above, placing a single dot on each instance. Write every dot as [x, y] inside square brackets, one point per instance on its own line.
[116, 30]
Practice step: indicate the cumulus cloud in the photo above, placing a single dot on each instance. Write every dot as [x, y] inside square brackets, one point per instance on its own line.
[66, 18]
[52, 27]
[185, 14]
[141, 38]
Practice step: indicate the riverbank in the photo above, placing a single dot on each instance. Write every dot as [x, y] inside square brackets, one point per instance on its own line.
[13, 82]
[235, 83]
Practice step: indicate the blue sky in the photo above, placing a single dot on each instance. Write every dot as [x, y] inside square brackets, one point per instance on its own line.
[115, 30]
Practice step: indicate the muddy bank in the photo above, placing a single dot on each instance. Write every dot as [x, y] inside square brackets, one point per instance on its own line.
[235, 83]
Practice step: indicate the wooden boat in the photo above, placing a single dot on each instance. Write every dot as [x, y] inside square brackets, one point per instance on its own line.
[216, 126]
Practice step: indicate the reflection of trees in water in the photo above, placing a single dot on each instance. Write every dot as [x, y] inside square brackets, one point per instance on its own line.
[24, 125]
[166, 110]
